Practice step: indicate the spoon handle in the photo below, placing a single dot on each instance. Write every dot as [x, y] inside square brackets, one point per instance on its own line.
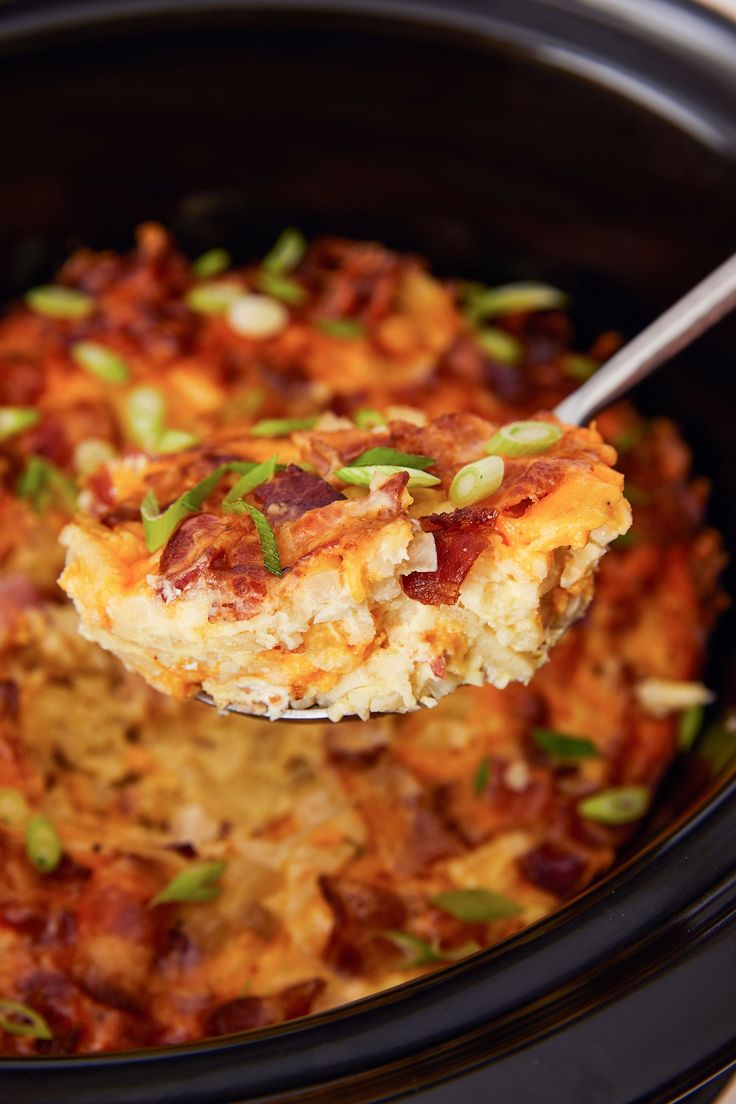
[690, 316]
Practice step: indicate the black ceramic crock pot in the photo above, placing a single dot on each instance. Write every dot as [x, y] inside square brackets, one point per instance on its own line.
[592, 143]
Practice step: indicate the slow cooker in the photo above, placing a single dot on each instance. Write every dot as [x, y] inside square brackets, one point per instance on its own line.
[589, 142]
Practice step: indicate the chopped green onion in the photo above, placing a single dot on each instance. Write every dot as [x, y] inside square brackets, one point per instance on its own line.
[212, 263]
[717, 745]
[260, 473]
[476, 905]
[13, 807]
[145, 410]
[174, 440]
[56, 301]
[421, 953]
[282, 427]
[500, 345]
[43, 846]
[417, 951]
[362, 477]
[22, 1020]
[269, 548]
[381, 455]
[561, 746]
[477, 481]
[622, 805]
[100, 361]
[520, 298]
[689, 724]
[159, 527]
[213, 298]
[196, 883]
[91, 453]
[14, 419]
[367, 419]
[523, 439]
[286, 253]
[42, 483]
[579, 367]
[342, 328]
[482, 775]
[281, 287]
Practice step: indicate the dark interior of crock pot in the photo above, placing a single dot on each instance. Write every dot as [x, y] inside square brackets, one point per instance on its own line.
[490, 162]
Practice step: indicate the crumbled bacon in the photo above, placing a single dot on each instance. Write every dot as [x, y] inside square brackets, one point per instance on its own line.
[459, 537]
[228, 552]
[531, 478]
[552, 869]
[292, 493]
[362, 914]
[451, 440]
[247, 1013]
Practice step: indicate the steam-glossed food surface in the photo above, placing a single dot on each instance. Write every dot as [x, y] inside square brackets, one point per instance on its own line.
[360, 570]
[170, 873]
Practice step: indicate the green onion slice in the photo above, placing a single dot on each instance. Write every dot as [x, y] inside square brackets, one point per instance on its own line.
[42, 484]
[343, 328]
[579, 367]
[476, 905]
[212, 263]
[562, 746]
[689, 724]
[14, 419]
[21, 1019]
[43, 846]
[367, 419]
[362, 476]
[196, 883]
[56, 301]
[158, 527]
[145, 409]
[282, 427]
[524, 297]
[477, 481]
[717, 745]
[381, 455]
[417, 951]
[523, 439]
[622, 805]
[213, 298]
[280, 287]
[269, 548]
[286, 253]
[100, 361]
[260, 473]
[13, 807]
[421, 953]
[482, 775]
[500, 345]
[174, 440]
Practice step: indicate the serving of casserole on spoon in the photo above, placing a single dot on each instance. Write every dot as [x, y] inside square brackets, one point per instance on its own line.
[317, 569]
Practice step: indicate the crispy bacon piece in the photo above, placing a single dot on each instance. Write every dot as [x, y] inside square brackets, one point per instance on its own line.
[362, 914]
[552, 869]
[529, 479]
[228, 552]
[293, 492]
[459, 537]
[247, 1013]
[190, 549]
[451, 440]
[352, 278]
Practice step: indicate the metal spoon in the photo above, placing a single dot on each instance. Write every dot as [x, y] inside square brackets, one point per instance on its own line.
[690, 316]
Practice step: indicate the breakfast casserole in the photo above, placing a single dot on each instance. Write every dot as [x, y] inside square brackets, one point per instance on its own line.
[171, 873]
